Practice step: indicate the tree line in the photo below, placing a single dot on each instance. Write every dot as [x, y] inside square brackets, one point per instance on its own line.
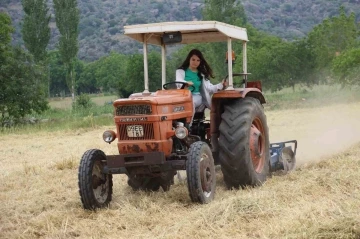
[330, 53]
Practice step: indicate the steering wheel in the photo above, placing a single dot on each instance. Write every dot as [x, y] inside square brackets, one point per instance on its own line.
[174, 85]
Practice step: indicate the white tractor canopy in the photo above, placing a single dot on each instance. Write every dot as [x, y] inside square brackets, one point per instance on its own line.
[165, 33]
[191, 32]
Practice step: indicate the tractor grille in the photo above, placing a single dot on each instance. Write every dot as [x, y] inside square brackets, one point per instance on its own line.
[133, 110]
[148, 131]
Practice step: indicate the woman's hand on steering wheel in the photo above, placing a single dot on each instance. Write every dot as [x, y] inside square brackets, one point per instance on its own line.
[190, 87]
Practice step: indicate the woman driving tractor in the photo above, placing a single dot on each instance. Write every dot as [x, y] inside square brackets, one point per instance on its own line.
[195, 71]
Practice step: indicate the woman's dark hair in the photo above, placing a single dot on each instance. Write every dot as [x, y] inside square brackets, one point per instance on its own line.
[203, 68]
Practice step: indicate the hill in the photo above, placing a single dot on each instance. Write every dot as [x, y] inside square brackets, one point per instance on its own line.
[101, 22]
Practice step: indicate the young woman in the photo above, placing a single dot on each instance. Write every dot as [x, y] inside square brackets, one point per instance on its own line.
[196, 72]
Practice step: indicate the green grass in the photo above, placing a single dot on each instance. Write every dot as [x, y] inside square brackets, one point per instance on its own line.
[62, 117]
[66, 119]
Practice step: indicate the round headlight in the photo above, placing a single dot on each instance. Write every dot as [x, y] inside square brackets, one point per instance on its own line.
[181, 132]
[109, 136]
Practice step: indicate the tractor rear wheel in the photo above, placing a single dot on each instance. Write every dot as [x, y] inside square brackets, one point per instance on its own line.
[95, 187]
[200, 171]
[244, 143]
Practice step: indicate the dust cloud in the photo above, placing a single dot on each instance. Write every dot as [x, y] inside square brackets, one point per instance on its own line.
[320, 132]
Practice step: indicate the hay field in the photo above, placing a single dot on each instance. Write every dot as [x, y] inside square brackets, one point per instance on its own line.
[39, 193]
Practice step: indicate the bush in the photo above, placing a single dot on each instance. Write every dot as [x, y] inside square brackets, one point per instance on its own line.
[83, 101]
[21, 83]
[113, 30]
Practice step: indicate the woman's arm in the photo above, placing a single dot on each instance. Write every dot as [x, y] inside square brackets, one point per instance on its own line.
[212, 88]
[180, 75]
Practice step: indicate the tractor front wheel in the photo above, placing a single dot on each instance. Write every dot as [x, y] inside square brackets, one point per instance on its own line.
[244, 143]
[95, 187]
[200, 170]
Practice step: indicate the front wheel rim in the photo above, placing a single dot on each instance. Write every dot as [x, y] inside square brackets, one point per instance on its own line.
[206, 175]
[100, 183]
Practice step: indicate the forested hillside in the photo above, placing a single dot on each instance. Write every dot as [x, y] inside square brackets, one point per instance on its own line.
[291, 19]
[101, 22]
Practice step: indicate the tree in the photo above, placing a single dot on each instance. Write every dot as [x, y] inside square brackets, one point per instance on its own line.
[20, 95]
[110, 72]
[154, 68]
[227, 11]
[35, 30]
[135, 72]
[5, 38]
[87, 81]
[332, 37]
[67, 21]
[280, 64]
[58, 85]
[346, 67]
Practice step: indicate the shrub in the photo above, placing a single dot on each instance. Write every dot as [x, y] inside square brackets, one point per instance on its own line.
[83, 101]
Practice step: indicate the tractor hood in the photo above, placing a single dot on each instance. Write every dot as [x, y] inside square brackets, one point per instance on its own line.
[161, 106]
[162, 97]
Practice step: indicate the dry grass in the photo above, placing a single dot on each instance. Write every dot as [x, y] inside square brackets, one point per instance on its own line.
[69, 163]
[39, 193]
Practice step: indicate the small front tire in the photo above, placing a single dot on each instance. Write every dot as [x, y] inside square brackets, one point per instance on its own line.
[200, 170]
[95, 187]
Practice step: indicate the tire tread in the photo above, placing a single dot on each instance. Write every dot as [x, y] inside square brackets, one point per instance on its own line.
[234, 143]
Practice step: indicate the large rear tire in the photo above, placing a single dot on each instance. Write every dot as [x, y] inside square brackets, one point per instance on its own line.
[200, 170]
[95, 187]
[244, 143]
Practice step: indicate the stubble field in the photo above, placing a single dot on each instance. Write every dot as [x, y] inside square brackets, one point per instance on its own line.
[321, 199]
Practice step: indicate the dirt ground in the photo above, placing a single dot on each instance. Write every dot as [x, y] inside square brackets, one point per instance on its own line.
[39, 197]
[320, 132]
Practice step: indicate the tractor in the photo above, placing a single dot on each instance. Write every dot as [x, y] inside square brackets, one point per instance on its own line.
[159, 133]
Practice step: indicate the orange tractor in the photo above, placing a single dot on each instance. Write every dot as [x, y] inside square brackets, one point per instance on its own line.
[155, 139]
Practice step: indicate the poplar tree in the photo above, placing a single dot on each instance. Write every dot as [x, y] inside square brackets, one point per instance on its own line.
[35, 30]
[67, 21]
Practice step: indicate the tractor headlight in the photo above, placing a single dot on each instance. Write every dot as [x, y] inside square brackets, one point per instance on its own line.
[181, 132]
[109, 136]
